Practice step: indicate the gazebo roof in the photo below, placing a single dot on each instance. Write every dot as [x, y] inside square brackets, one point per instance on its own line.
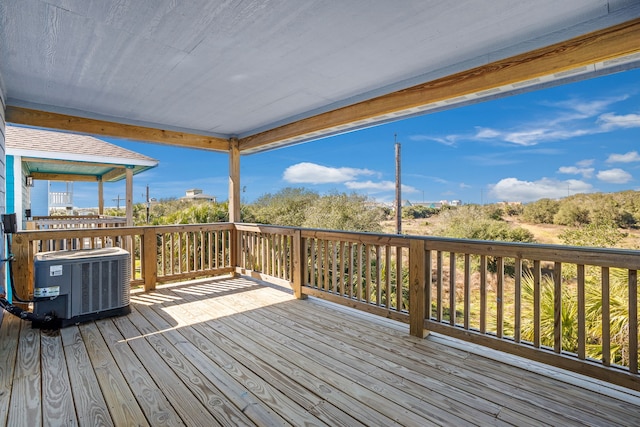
[271, 74]
[70, 157]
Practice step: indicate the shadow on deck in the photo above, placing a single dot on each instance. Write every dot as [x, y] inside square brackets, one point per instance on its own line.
[242, 352]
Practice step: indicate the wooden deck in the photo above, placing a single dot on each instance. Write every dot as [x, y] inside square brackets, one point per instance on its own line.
[239, 352]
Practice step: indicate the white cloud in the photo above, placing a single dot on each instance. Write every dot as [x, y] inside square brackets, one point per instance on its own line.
[631, 156]
[449, 140]
[585, 163]
[614, 176]
[610, 121]
[574, 170]
[487, 133]
[564, 120]
[512, 189]
[311, 173]
[588, 108]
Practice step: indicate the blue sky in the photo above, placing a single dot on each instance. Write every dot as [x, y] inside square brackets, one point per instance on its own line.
[577, 138]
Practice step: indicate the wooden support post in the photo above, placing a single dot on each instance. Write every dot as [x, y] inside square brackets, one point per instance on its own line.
[100, 196]
[417, 309]
[150, 259]
[22, 268]
[234, 181]
[129, 197]
[299, 260]
[234, 201]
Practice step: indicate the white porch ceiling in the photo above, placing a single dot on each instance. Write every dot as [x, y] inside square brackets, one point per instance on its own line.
[241, 67]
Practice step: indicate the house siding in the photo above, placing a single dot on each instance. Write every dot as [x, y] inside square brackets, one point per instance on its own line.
[3, 200]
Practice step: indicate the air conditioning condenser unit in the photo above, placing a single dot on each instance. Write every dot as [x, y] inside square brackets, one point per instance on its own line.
[82, 285]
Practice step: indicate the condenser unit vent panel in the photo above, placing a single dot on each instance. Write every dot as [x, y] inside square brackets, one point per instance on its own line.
[82, 285]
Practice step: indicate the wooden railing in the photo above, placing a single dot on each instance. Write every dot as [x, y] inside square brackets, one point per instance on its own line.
[72, 222]
[575, 308]
[158, 254]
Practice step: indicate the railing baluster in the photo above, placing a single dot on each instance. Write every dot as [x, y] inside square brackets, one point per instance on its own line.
[367, 285]
[312, 278]
[452, 288]
[342, 267]
[517, 303]
[202, 251]
[582, 312]
[499, 296]
[334, 269]
[387, 279]
[467, 289]
[399, 279]
[536, 302]
[483, 294]
[606, 317]
[557, 307]
[351, 268]
[633, 321]
[439, 285]
[171, 252]
[378, 273]
[428, 295]
[325, 263]
[360, 273]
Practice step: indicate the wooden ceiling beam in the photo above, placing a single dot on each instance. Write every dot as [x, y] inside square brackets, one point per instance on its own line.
[44, 119]
[63, 177]
[113, 173]
[598, 46]
[70, 162]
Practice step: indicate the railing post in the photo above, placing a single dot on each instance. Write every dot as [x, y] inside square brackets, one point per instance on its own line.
[417, 309]
[149, 258]
[298, 263]
[22, 268]
[234, 250]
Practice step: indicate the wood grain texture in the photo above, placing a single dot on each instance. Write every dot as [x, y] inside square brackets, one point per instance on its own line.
[150, 398]
[45, 119]
[122, 404]
[240, 352]
[90, 405]
[26, 390]
[9, 339]
[57, 399]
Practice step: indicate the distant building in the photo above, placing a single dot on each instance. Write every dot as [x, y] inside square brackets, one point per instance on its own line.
[195, 194]
[433, 205]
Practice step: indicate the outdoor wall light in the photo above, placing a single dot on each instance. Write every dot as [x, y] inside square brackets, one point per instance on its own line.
[29, 181]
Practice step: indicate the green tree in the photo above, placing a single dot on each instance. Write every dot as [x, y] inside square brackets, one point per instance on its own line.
[571, 214]
[541, 211]
[341, 211]
[600, 235]
[475, 222]
[418, 212]
[286, 207]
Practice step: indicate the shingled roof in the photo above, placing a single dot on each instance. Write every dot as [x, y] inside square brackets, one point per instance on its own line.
[50, 152]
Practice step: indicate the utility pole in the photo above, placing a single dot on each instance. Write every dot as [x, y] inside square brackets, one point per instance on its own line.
[148, 203]
[117, 200]
[398, 188]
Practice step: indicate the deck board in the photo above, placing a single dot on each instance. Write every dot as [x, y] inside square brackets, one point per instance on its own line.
[240, 352]
[57, 399]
